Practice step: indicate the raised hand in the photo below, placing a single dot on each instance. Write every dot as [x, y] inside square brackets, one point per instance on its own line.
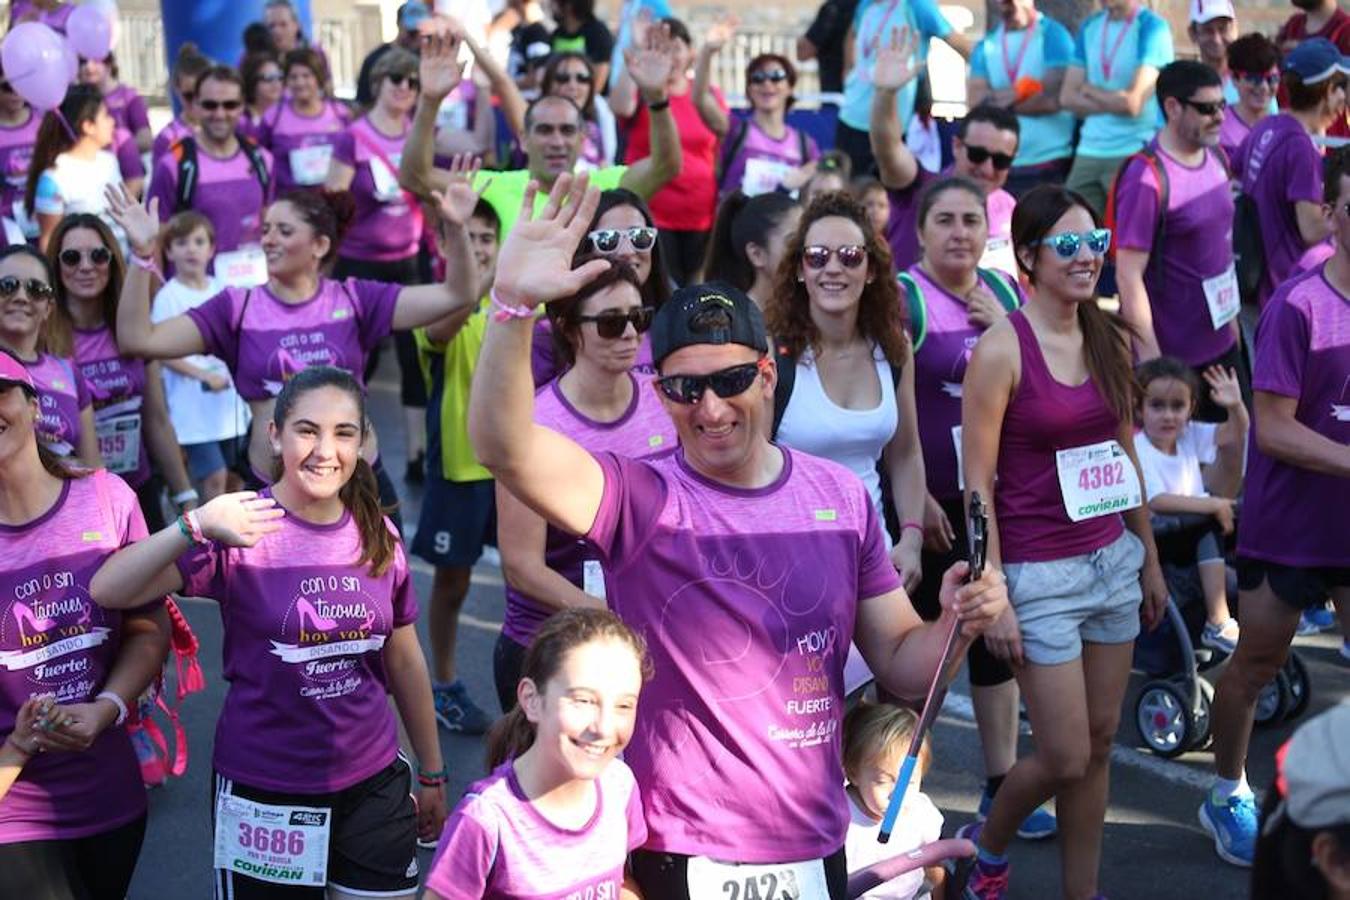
[240, 519]
[897, 63]
[535, 263]
[141, 223]
[459, 199]
[981, 307]
[721, 31]
[1223, 386]
[440, 69]
[651, 66]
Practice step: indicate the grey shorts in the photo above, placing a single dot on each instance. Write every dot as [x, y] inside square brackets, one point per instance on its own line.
[1063, 602]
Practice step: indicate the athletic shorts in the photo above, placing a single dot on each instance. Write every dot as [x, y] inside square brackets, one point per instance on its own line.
[372, 845]
[211, 456]
[458, 519]
[1061, 603]
[665, 876]
[1296, 586]
[97, 867]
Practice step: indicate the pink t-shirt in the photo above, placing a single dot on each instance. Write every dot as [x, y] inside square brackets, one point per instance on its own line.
[387, 227]
[127, 108]
[62, 394]
[497, 846]
[16, 152]
[55, 639]
[228, 193]
[305, 629]
[117, 387]
[265, 341]
[169, 135]
[301, 144]
[759, 146]
[747, 600]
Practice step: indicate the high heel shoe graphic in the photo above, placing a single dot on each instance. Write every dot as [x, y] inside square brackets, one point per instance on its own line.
[22, 615]
[305, 609]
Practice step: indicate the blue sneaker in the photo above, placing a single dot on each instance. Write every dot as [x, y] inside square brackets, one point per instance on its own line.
[1038, 826]
[1233, 826]
[457, 712]
[1316, 620]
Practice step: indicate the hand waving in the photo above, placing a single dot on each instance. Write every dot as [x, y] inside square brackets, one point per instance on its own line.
[721, 31]
[1223, 386]
[896, 64]
[141, 223]
[440, 70]
[457, 203]
[240, 519]
[535, 263]
[651, 66]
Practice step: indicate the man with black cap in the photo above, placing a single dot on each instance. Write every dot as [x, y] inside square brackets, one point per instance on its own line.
[747, 566]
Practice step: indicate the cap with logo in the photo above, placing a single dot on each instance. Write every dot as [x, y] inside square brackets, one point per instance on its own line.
[1203, 11]
[713, 313]
[1315, 60]
[412, 14]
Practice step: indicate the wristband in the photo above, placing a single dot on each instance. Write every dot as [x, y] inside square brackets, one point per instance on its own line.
[188, 496]
[443, 774]
[194, 527]
[147, 263]
[658, 105]
[917, 526]
[504, 313]
[185, 529]
[116, 701]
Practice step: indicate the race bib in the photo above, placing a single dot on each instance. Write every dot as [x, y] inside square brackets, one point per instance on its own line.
[119, 441]
[453, 115]
[998, 254]
[593, 579]
[280, 844]
[741, 881]
[763, 176]
[1221, 295]
[309, 165]
[1097, 480]
[960, 460]
[386, 179]
[242, 268]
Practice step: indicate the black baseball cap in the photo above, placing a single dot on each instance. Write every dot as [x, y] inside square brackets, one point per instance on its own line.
[712, 313]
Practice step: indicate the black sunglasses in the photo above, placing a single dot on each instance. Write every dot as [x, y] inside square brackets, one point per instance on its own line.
[99, 256]
[578, 77]
[763, 75]
[977, 155]
[612, 324]
[413, 81]
[725, 383]
[1270, 79]
[606, 240]
[227, 105]
[850, 256]
[34, 288]
[1212, 108]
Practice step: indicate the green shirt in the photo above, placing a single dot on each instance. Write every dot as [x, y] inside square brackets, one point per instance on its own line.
[506, 190]
[448, 370]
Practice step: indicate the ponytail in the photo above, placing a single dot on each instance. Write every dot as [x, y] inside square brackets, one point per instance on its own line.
[510, 736]
[725, 260]
[59, 130]
[361, 496]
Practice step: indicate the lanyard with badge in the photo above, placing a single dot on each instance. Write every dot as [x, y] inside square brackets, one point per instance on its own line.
[1013, 68]
[278, 844]
[1108, 61]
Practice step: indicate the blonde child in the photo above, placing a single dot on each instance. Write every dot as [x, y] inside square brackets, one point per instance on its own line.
[876, 739]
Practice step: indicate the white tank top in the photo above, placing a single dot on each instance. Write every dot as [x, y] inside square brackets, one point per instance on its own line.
[815, 424]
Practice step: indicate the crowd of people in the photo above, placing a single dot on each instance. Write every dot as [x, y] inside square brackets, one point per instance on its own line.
[721, 394]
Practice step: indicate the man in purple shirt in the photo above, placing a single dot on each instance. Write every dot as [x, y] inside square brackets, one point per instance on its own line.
[747, 567]
[1293, 546]
[1174, 266]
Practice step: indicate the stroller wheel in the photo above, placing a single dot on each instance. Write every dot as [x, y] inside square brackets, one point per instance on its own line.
[1203, 738]
[1163, 716]
[1273, 703]
[1300, 686]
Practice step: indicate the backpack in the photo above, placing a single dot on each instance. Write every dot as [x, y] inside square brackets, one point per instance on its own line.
[1249, 252]
[185, 152]
[787, 377]
[1003, 292]
[735, 140]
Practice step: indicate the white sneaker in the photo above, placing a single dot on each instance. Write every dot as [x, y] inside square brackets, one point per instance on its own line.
[1221, 637]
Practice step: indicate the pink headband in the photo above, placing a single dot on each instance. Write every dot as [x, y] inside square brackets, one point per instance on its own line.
[12, 370]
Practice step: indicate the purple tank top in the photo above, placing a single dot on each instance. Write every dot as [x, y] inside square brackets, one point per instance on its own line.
[1043, 418]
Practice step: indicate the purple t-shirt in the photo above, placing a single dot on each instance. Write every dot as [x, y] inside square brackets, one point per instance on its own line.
[55, 639]
[387, 227]
[117, 387]
[1294, 516]
[16, 152]
[1232, 132]
[774, 158]
[748, 600]
[169, 135]
[1044, 417]
[301, 144]
[902, 228]
[643, 430]
[1277, 166]
[1197, 245]
[127, 108]
[129, 161]
[62, 394]
[939, 369]
[497, 846]
[305, 630]
[228, 193]
[265, 341]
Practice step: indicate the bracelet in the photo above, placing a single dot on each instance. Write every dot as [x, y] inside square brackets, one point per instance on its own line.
[503, 312]
[188, 496]
[443, 774]
[185, 529]
[195, 526]
[917, 526]
[657, 106]
[116, 701]
[432, 782]
[147, 263]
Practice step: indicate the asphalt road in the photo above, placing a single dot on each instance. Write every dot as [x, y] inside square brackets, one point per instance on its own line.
[1154, 848]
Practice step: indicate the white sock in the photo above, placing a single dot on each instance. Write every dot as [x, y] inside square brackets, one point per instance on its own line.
[1227, 787]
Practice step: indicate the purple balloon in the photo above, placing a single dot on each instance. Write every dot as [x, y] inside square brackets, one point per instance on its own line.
[72, 63]
[89, 31]
[35, 63]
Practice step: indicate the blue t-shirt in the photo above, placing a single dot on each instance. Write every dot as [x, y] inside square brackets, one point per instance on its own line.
[1147, 42]
[1044, 138]
[628, 13]
[872, 24]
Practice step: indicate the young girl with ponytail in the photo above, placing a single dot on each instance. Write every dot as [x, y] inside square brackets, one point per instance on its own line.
[560, 813]
[319, 615]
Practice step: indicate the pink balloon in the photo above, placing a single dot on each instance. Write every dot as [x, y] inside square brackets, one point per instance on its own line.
[89, 31]
[35, 63]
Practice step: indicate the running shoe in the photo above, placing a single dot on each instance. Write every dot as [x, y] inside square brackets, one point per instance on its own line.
[1038, 826]
[1345, 650]
[1223, 638]
[1233, 826]
[1316, 620]
[456, 711]
[974, 878]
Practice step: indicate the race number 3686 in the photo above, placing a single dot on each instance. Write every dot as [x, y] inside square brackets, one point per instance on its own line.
[271, 840]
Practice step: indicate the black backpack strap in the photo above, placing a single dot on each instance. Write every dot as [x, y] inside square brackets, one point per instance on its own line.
[188, 171]
[258, 162]
[782, 390]
[731, 145]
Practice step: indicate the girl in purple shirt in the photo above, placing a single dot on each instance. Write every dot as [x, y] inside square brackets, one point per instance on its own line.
[319, 617]
[18, 135]
[302, 129]
[66, 422]
[125, 105]
[1046, 411]
[560, 812]
[72, 823]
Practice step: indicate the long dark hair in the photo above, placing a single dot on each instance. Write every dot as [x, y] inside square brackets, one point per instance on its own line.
[788, 310]
[251, 72]
[51, 463]
[564, 632]
[58, 333]
[743, 220]
[563, 314]
[656, 290]
[80, 106]
[361, 494]
[1106, 336]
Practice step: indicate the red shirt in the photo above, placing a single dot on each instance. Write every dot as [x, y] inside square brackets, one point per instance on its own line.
[689, 201]
[1337, 30]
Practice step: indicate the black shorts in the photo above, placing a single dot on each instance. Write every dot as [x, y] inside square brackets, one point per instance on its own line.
[458, 519]
[508, 659]
[372, 847]
[1298, 587]
[97, 867]
[663, 876]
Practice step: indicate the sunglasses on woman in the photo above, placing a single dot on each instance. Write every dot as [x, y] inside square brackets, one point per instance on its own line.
[1067, 243]
[763, 75]
[850, 256]
[977, 155]
[1256, 79]
[33, 287]
[606, 240]
[725, 383]
[568, 77]
[413, 82]
[99, 256]
[612, 324]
